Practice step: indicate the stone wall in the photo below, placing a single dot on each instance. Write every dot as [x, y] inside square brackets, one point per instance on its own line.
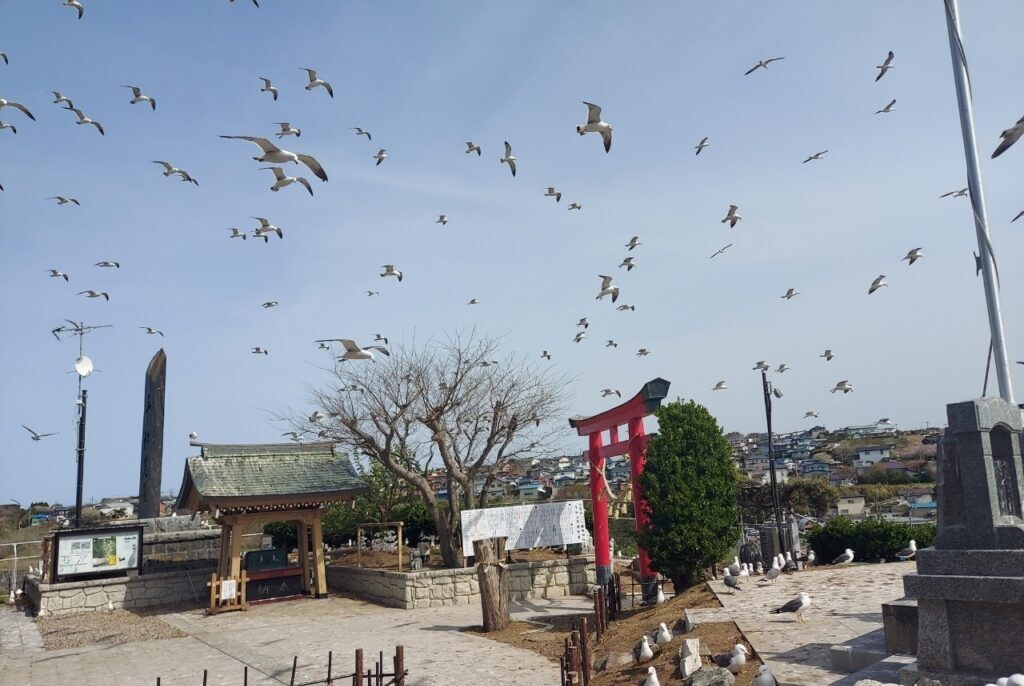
[180, 546]
[440, 587]
[166, 589]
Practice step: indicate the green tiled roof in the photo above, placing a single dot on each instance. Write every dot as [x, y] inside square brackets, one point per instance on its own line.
[274, 471]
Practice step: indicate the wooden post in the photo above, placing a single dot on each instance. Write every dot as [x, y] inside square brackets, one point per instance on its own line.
[585, 650]
[224, 566]
[295, 664]
[320, 572]
[204, 677]
[359, 546]
[245, 676]
[493, 576]
[574, 674]
[400, 550]
[380, 669]
[400, 665]
[236, 553]
[562, 669]
[357, 677]
[330, 659]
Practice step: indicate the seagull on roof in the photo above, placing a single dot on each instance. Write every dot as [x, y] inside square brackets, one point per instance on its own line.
[275, 155]
[907, 553]
[551, 192]
[810, 413]
[282, 180]
[888, 108]
[58, 98]
[720, 386]
[389, 270]
[580, 335]
[82, 119]
[354, 351]
[381, 155]
[828, 355]
[270, 303]
[700, 146]
[608, 391]
[733, 660]
[815, 156]
[235, 233]
[633, 242]
[77, 5]
[879, 282]
[287, 130]
[761, 364]
[607, 288]
[732, 216]
[36, 436]
[150, 330]
[95, 294]
[885, 66]
[268, 87]
[628, 263]
[790, 294]
[913, 256]
[108, 264]
[266, 228]
[797, 605]
[61, 200]
[962, 193]
[575, 206]
[782, 368]
[720, 251]
[314, 81]
[762, 64]
[546, 355]
[844, 386]
[362, 132]
[845, 558]
[442, 219]
[509, 159]
[138, 96]
[8, 126]
[17, 106]
[1009, 136]
[596, 125]
[55, 273]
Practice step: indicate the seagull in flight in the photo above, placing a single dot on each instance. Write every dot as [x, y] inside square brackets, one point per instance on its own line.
[762, 64]
[282, 180]
[580, 335]
[8, 126]
[36, 436]
[268, 87]
[442, 219]
[150, 330]
[381, 155]
[314, 81]
[810, 413]
[624, 307]
[607, 288]
[827, 355]
[913, 256]
[885, 66]
[782, 368]
[700, 146]
[77, 5]
[108, 264]
[790, 294]
[877, 283]
[370, 294]
[137, 97]
[643, 352]
[1019, 215]
[1010, 136]
[472, 147]
[259, 351]
[815, 156]
[95, 294]
[720, 386]
[611, 344]
[628, 263]
[596, 125]
[761, 364]
[843, 386]
[17, 106]
[546, 355]
[3, 56]
[633, 242]
[56, 273]
[575, 206]
[235, 233]
[389, 270]
[377, 338]
[265, 229]
[583, 322]
[888, 108]
[61, 200]
[551, 192]
[275, 155]
[509, 159]
[473, 301]
[353, 351]
[962, 193]
[361, 132]
[58, 99]
[720, 251]
[82, 119]
[170, 170]
[270, 303]
[732, 216]
[608, 391]
[287, 130]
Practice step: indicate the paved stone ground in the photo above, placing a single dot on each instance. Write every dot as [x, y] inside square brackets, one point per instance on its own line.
[846, 602]
[266, 637]
[18, 634]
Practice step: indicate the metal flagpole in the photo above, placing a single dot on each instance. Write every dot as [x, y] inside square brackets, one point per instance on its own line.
[783, 543]
[963, 93]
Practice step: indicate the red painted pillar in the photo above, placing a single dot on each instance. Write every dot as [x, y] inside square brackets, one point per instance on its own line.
[637, 458]
[599, 504]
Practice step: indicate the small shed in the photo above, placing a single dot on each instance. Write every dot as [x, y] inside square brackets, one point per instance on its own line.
[241, 485]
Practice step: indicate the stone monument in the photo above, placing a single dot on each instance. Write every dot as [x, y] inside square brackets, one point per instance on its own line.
[152, 437]
[970, 586]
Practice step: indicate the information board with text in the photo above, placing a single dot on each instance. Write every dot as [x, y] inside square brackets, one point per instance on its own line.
[526, 526]
[110, 551]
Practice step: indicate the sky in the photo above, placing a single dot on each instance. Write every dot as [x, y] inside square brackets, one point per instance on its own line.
[424, 78]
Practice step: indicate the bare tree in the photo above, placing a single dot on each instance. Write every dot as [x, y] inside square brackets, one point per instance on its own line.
[451, 404]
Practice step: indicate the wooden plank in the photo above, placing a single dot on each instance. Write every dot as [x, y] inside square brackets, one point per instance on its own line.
[236, 553]
[318, 557]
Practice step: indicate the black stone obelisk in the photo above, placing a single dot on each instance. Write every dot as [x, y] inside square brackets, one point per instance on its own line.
[152, 437]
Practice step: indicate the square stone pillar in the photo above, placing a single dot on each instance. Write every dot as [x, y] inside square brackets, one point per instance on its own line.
[970, 586]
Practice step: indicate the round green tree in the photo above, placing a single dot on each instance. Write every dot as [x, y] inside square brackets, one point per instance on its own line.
[691, 488]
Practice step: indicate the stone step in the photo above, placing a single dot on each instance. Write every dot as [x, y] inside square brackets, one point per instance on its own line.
[858, 653]
[886, 672]
[900, 620]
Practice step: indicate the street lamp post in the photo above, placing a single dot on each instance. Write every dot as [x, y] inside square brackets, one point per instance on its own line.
[768, 391]
[17, 522]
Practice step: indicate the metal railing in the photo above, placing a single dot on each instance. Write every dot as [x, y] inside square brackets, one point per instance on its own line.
[9, 579]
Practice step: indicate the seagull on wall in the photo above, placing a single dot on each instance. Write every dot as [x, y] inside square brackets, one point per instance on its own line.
[885, 66]
[138, 96]
[275, 155]
[596, 125]
[509, 159]
[762, 64]
[315, 82]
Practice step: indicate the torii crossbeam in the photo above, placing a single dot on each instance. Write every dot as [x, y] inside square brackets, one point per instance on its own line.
[630, 413]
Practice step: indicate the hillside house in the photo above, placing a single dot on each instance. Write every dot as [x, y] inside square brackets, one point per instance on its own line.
[870, 455]
[850, 506]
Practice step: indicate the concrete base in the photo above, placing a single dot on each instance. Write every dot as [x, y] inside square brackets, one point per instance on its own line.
[900, 620]
[858, 653]
[913, 675]
[885, 672]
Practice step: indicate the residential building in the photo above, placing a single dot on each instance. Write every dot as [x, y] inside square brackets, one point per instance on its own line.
[850, 506]
[869, 455]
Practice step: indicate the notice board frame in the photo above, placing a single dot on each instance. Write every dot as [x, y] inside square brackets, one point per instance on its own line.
[85, 576]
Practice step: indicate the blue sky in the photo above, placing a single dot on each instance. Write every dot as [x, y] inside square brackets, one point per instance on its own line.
[424, 78]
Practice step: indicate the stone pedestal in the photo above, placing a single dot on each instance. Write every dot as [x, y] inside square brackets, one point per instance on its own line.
[970, 587]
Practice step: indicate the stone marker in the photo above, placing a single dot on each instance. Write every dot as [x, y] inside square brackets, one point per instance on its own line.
[970, 586]
[689, 656]
[711, 676]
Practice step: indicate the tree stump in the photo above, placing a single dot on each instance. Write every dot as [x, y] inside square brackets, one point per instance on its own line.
[493, 576]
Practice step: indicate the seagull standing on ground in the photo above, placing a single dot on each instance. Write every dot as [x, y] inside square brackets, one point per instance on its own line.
[268, 87]
[37, 436]
[732, 216]
[797, 605]
[276, 155]
[765, 677]
[664, 636]
[82, 119]
[137, 97]
[845, 558]
[287, 130]
[700, 146]
[815, 156]
[879, 282]
[731, 582]
[1010, 136]
[733, 660]
[907, 553]
[913, 256]
[596, 125]
[314, 81]
[652, 677]
[607, 288]
[844, 386]
[888, 108]
[762, 64]
[885, 66]
[509, 158]
[282, 180]
[772, 573]
[810, 558]
[381, 155]
[643, 651]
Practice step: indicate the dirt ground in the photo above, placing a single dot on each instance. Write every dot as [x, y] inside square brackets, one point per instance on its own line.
[375, 559]
[624, 634]
[107, 628]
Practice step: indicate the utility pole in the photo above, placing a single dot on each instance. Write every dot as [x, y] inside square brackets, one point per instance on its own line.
[977, 195]
[768, 391]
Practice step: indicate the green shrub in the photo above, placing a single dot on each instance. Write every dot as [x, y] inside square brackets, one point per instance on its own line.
[870, 539]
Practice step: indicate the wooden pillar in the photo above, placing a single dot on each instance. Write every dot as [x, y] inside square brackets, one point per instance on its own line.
[400, 550]
[318, 556]
[637, 460]
[223, 566]
[236, 552]
[303, 544]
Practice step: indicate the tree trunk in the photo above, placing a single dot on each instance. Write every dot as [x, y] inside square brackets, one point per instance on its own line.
[445, 539]
[493, 575]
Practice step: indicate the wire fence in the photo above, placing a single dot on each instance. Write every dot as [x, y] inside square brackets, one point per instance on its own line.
[18, 557]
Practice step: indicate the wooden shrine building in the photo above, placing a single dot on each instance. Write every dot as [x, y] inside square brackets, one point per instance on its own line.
[243, 485]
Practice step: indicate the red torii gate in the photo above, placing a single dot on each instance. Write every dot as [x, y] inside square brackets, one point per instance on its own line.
[631, 413]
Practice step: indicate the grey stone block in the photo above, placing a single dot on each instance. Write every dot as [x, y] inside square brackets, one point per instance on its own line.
[899, 618]
[970, 562]
[858, 653]
[711, 676]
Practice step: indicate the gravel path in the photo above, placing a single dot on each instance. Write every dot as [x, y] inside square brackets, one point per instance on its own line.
[102, 628]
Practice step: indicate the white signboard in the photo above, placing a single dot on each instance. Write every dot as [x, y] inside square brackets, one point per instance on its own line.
[228, 587]
[526, 526]
[98, 552]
